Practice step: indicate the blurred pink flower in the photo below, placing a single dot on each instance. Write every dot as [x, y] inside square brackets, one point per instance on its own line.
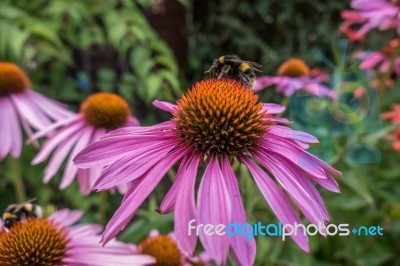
[99, 114]
[21, 106]
[57, 241]
[394, 117]
[294, 75]
[379, 60]
[371, 14]
[351, 18]
[214, 124]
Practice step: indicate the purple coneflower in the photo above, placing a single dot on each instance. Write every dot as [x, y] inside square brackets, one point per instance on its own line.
[99, 113]
[21, 106]
[376, 14]
[294, 75]
[165, 249]
[216, 123]
[57, 241]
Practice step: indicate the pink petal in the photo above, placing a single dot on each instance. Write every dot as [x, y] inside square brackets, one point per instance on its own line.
[169, 201]
[70, 169]
[278, 202]
[61, 136]
[273, 108]
[214, 207]
[287, 176]
[135, 164]
[6, 126]
[289, 133]
[59, 156]
[243, 249]
[134, 198]
[185, 209]
[165, 106]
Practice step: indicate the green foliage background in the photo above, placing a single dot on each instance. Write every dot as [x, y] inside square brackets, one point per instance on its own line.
[73, 48]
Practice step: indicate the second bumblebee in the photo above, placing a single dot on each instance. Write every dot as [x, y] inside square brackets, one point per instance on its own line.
[232, 67]
[20, 212]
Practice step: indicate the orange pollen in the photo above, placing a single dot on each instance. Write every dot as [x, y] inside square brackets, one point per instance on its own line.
[34, 242]
[163, 248]
[220, 117]
[12, 79]
[293, 68]
[106, 110]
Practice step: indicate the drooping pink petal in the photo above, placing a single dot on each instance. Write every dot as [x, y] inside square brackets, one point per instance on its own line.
[51, 108]
[169, 201]
[6, 124]
[48, 129]
[286, 176]
[16, 146]
[29, 112]
[214, 207]
[278, 202]
[60, 137]
[114, 148]
[289, 133]
[308, 162]
[243, 249]
[133, 166]
[134, 198]
[185, 209]
[59, 155]
[70, 169]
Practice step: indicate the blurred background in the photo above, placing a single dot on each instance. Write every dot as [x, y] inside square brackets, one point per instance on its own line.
[147, 49]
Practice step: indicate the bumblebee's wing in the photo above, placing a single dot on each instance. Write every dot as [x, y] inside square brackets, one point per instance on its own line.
[20, 206]
[254, 66]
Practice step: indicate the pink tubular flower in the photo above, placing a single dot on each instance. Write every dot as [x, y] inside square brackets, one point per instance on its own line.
[376, 14]
[21, 106]
[379, 60]
[164, 248]
[351, 18]
[294, 75]
[394, 117]
[216, 123]
[57, 241]
[100, 113]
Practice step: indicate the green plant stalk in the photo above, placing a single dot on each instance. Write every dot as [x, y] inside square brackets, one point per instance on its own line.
[17, 180]
[103, 206]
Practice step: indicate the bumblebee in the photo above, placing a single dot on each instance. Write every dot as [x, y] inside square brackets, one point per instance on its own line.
[232, 67]
[20, 212]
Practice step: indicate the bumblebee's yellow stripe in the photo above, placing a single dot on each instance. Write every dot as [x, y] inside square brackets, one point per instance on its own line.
[221, 60]
[244, 66]
[8, 215]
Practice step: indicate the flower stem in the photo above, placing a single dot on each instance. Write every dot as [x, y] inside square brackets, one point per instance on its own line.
[103, 204]
[17, 180]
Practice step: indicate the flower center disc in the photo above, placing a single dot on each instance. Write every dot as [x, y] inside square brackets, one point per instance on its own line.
[106, 110]
[293, 68]
[35, 242]
[219, 117]
[163, 248]
[12, 79]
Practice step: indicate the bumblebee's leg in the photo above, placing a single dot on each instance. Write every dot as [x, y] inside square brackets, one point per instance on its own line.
[244, 80]
[225, 69]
